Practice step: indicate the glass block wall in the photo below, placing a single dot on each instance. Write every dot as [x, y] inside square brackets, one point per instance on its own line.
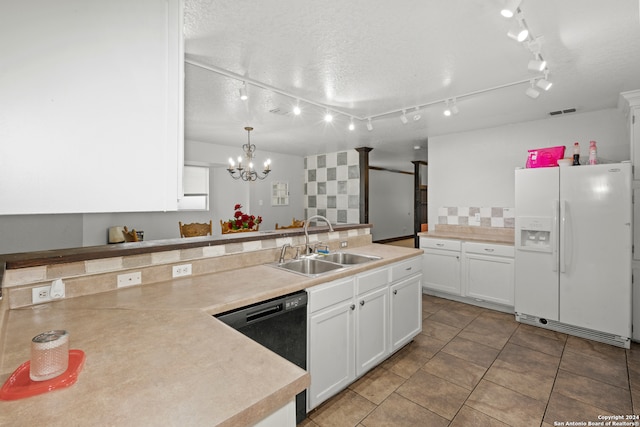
[332, 186]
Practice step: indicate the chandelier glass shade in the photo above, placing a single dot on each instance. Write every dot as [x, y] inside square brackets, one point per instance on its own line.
[244, 169]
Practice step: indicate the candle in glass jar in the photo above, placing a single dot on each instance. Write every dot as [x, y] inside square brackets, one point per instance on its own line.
[49, 355]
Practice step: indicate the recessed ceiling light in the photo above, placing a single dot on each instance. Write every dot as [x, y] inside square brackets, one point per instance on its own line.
[416, 147]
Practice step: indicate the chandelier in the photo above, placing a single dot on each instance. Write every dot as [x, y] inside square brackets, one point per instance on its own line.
[247, 173]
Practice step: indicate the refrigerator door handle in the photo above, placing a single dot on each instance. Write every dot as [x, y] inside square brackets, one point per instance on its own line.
[563, 236]
[554, 235]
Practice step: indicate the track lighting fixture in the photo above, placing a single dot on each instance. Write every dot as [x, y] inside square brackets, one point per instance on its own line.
[531, 91]
[510, 8]
[369, 125]
[416, 115]
[297, 110]
[243, 92]
[454, 108]
[352, 125]
[519, 32]
[328, 117]
[544, 84]
[403, 117]
[537, 64]
[447, 110]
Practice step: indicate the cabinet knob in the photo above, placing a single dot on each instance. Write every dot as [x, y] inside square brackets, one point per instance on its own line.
[395, 292]
[362, 303]
[353, 306]
[408, 268]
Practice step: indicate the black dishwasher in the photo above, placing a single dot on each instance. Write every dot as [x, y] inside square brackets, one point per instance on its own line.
[279, 324]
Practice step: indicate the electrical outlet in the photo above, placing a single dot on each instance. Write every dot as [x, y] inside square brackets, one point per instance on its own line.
[182, 270]
[41, 294]
[129, 279]
[343, 244]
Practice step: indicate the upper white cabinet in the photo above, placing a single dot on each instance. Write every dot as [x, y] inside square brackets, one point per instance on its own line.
[91, 100]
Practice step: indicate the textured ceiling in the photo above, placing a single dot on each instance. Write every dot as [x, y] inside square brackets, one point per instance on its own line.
[366, 58]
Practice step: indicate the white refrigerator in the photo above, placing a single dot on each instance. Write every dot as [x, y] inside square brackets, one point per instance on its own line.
[573, 250]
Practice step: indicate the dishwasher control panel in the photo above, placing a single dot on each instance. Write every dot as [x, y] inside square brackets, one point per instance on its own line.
[295, 301]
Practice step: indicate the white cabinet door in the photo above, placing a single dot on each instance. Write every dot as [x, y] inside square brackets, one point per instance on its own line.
[91, 100]
[405, 303]
[490, 278]
[331, 351]
[372, 329]
[441, 270]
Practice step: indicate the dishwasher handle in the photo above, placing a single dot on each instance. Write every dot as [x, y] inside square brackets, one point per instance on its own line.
[264, 312]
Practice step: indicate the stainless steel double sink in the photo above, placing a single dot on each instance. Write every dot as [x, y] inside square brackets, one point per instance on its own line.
[318, 264]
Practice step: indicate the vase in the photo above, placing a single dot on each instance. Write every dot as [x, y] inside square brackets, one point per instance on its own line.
[226, 228]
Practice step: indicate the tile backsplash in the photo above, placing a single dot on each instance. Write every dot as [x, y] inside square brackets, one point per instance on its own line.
[499, 217]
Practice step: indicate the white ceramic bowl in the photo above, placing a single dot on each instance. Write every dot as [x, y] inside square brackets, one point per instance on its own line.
[565, 162]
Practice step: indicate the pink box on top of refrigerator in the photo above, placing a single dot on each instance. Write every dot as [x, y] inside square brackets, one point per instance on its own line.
[545, 157]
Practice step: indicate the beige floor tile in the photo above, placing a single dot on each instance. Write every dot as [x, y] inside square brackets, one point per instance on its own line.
[435, 394]
[596, 368]
[506, 405]
[515, 377]
[539, 339]
[439, 330]
[562, 408]
[597, 349]
[490, 329]
[469, 417]
[398, 411]
[345, 409]
[455, 370]
[530, 360]
[308, 422]
[407, 363]
[377, 385]
[471, 351]
[453, 318]
[593, 392]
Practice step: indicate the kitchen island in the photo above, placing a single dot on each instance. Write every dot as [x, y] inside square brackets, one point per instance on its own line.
[155, 355]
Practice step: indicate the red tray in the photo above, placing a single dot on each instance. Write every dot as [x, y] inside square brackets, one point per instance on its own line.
[19, 385]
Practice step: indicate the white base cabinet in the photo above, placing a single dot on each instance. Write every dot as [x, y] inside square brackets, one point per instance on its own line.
[356, 323]
[489, 272]
[472, 272]
[441, 265]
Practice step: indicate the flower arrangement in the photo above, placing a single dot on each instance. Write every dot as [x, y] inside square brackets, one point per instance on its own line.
[241, 221]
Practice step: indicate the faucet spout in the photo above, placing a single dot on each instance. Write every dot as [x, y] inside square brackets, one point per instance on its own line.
[306, 232]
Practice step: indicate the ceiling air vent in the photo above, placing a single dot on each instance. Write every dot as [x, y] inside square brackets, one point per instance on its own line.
[279, 111]
[567, 111]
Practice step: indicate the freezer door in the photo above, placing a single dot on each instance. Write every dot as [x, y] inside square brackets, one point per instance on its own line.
[536, 278]
[595, 249]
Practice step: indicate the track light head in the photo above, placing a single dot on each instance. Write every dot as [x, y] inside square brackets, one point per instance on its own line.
[519, 32]
[243, 92]
[537, 64]
[544, 84]
[352, 125]
[328, 117]
[403, 117]
[369, 125]
[447, 109]
[416, 115]
[510, 8]
[297, 110]
[531, 91]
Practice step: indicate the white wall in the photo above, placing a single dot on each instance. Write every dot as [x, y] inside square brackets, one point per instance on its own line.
[477, 168]
[24, 233]
[391, 204]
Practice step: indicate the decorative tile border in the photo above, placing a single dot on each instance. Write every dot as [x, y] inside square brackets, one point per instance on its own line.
[96, 276]
[498, 217]
[332, 186]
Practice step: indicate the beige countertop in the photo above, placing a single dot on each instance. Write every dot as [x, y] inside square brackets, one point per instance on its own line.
[155, 355]
[472, 234]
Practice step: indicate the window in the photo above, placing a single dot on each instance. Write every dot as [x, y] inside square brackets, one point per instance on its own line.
[279, 193]
[196, 189]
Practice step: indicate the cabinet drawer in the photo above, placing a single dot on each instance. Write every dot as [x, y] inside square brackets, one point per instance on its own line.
[328, 294]
[450, 245]
[370, 280]
[489, 249]
[406, 268]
